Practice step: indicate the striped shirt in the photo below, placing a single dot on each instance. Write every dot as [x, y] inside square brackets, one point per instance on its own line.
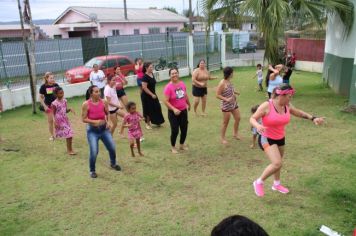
[228, 92]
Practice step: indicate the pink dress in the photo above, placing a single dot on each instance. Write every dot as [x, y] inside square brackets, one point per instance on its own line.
[63, 129]
[134, 131]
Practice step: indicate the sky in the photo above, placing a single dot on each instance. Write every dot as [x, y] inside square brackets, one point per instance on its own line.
[51, 9]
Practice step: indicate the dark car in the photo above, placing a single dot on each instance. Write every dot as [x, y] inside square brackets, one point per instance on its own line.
[249, 47]
[105, 63]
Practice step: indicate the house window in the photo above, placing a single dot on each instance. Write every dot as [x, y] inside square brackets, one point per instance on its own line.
[251, 26]
[171, 29]
[57, 36]
[154, 30]
[115, 32]
[136, 31]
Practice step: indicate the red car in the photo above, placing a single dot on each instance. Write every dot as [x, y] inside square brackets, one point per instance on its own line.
[105, 63]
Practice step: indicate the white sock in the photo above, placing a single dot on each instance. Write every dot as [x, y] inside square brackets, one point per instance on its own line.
[276, 182]
[259, 181]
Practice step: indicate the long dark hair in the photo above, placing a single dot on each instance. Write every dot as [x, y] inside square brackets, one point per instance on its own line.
[89, 91]
[145, 66]
[269, 72]
[201, 61]
[227, 72]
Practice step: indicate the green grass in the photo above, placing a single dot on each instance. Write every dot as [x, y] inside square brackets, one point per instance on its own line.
[45, 192]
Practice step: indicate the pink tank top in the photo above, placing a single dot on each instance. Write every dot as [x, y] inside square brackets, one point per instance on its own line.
[275, 122]
[96, 111]
[139, 72]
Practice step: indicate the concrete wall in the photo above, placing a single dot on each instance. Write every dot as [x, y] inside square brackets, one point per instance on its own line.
[19, 97]
[310, 66]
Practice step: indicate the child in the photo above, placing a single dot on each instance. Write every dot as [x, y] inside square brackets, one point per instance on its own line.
[132, 121]
[259, 75]
[61, 122]
[253, 129]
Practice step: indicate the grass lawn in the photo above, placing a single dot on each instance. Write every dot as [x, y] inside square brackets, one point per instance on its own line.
[45, 192]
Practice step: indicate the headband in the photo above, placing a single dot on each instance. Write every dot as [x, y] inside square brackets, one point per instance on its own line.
[290, 91]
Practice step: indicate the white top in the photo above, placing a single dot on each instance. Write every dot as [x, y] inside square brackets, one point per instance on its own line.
[259, 74]
[111, 93]
[274, 83]
[98, 78]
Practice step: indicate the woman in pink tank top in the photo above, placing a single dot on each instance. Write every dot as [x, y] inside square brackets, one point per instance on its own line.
[275, 115]
[95, 115]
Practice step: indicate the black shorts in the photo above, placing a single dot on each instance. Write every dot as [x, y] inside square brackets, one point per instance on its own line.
[120, 93]
[265, 142]
[199, 92]
[113, 111]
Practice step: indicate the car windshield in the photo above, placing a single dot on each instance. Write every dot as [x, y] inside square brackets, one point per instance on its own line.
[93, 61]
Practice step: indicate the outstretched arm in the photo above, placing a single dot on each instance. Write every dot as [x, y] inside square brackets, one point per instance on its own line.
[302, 114]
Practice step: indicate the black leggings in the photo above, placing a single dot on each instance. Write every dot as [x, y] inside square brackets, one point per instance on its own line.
[180, 121]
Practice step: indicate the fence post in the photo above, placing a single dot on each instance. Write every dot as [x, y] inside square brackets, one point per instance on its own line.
[60, 59]
[191, 53]
[3, 65]
[223, 50]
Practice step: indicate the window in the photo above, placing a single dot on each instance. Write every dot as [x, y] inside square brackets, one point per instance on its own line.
[136, 31]
[154, 30]
[115, 32]
[110, 63]
[124, 62]
[171, 29]
[57, 36]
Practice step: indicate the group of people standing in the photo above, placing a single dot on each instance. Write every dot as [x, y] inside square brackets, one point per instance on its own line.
[268, 119]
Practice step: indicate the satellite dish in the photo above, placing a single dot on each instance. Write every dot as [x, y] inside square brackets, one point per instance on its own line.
[93, 17]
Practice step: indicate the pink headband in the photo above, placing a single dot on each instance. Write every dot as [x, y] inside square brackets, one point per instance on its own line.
[286, 91]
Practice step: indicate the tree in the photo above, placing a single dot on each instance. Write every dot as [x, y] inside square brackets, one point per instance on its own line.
[271, 15]
[172, 9]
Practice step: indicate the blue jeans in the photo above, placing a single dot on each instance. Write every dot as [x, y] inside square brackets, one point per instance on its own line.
[93, 135]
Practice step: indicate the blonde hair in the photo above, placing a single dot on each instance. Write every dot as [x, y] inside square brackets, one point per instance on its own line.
[46, 76]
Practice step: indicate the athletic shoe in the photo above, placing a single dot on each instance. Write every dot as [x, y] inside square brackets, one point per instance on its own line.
[280, 188]
[115, 167]
[93, 175]
[258, 189]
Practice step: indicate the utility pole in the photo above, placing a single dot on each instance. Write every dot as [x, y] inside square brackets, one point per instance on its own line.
[30, 57]
[125, 9]
[190, 18]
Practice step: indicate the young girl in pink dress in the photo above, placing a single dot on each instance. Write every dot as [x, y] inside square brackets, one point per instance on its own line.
[61, 121]
[132, 122]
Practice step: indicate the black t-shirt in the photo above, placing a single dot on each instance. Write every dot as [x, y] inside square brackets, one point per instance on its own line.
[151, 83]
[48, 92]
[288, 74]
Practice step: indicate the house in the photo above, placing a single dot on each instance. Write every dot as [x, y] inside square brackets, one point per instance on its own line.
[339, 70]
[105, 21]
[14, 32]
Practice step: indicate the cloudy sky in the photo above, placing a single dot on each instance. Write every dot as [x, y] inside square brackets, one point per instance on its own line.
[51, 9]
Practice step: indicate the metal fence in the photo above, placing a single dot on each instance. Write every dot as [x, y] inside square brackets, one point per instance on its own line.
[60, 55]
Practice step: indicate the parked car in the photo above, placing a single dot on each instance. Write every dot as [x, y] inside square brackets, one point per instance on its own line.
[249, 47]
[106, 64]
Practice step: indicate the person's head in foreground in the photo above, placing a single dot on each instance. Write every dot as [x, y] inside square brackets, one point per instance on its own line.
[237, 225]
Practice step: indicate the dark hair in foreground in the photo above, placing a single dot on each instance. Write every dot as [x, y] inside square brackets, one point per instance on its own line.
[57, 90]
[145, 66]
[200, 61]
[89, 91]
[269, 72]
[173, 68]
[227, 72]
[129, 105]
[237, 225]
[254, 109]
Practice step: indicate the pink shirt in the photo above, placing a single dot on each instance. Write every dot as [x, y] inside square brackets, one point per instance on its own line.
[96, 111]
[111, 93]
[119, 81]
[140, 73]
[275, 123]
[177, 95]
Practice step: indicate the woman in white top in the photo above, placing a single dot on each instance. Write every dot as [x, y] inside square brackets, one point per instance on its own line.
[115, 107]
[275, 78]
[97, 78]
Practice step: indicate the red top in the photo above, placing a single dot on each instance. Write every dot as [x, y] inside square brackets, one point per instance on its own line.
[275, 122]
[119, 81]
[96, 111]
[139, 72]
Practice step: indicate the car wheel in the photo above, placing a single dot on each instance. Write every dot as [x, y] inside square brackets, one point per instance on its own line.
[159, 67]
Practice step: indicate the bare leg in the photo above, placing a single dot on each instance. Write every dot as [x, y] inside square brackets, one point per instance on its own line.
[113, 120]
[138, 143]
[132, 144]
[124, 100]
[50, 124]
[196, 103]
[236, 115]
[254, 137]
[122, 114]
[70, 146]
[277, 174]
[274, 155]
[203, 104]
[225, 123]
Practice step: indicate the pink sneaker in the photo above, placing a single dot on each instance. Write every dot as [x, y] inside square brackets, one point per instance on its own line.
[280, 188]
[258, 189]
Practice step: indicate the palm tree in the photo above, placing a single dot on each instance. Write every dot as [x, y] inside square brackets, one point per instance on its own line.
[271, 15]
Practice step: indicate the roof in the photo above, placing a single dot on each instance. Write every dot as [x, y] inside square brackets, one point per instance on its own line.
[106, 14]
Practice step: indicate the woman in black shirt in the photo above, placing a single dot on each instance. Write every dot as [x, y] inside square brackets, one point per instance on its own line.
[46, 99]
